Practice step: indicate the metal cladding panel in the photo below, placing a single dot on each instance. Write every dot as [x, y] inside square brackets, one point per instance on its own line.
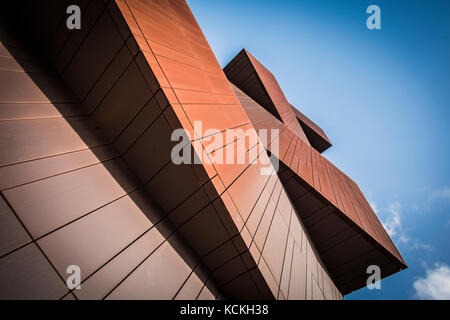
[258, 82]
[87, 147]
[327, 192]
[316, 136]
[191, 78]
[247, 73]
[86, 166]
[311, 124]
[80, 163]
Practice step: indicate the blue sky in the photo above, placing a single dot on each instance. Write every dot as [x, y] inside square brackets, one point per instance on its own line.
[382, 97]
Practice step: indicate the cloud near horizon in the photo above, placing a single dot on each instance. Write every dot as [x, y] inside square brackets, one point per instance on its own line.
[393, 226]
[435, 285]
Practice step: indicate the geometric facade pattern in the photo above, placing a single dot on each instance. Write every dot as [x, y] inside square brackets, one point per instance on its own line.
[86, 176]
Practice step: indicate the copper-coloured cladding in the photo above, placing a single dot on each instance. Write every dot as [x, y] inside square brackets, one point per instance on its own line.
[310, 124]
[177, 52]
[197, 89]
[316, 136]
[319, 173]
[183, 63]
[185, 67]
[186, 84]
[248, 74]
[200, 86]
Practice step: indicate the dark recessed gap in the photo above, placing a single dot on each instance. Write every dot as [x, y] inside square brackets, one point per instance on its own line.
[316, 141]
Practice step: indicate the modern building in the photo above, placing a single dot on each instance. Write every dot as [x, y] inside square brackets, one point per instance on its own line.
[88, 182]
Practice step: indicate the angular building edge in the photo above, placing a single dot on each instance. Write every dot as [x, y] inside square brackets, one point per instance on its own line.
[141, 69]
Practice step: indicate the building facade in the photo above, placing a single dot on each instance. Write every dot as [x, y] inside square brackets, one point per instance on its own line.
[89, 184]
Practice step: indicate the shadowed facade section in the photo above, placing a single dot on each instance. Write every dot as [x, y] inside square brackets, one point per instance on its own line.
[316, 136]
[86, 176]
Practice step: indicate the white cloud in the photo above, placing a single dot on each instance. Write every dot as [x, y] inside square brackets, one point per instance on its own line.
[435, 285]
[373, 205]
[414, 244]
[393, 226]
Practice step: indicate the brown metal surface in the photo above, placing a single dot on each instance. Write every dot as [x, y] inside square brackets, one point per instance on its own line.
[316, 136]
[258, 82]
[87, 177]
[341, 223]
